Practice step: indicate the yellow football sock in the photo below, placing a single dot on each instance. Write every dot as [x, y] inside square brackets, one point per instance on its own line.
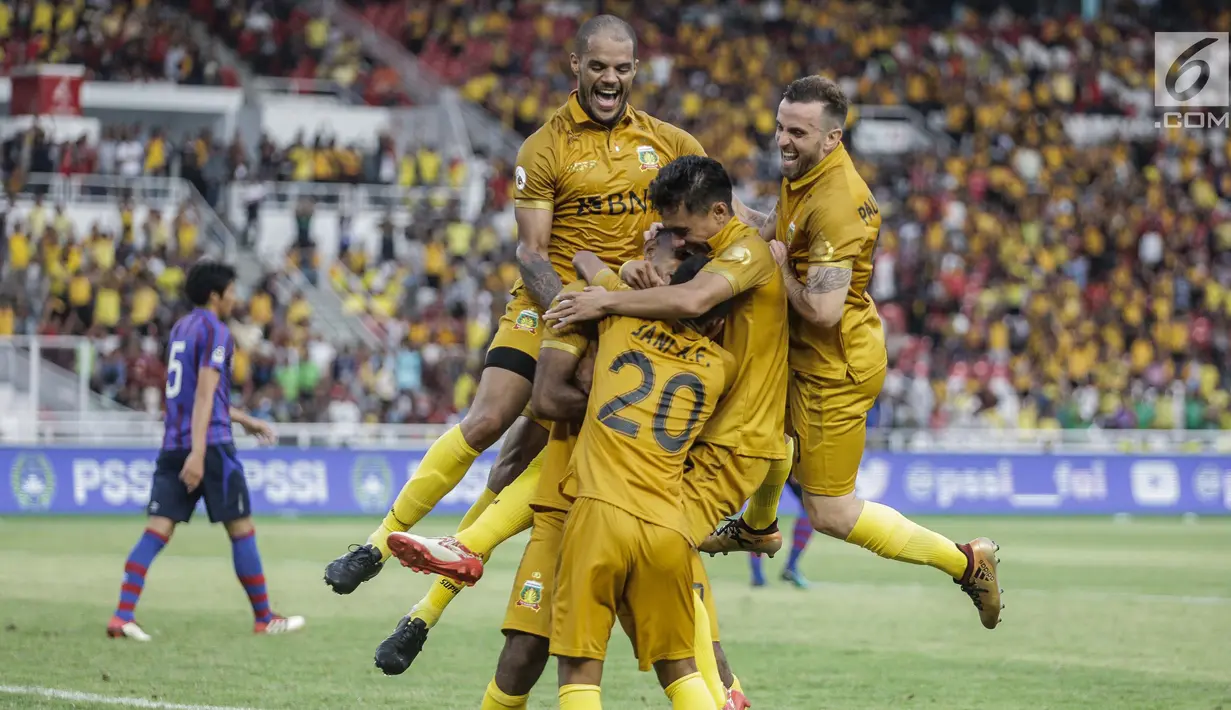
[763, 505]
[444, 590]
[735, 686]
[442, 468]
[889, 534]
[580, 697]
[508, 515]
[690, 693]
[497, 699]
[703, 648]
[433, 604]
[485, 499]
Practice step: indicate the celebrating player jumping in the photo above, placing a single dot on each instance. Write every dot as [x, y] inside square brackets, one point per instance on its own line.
[825, 229]
[581, 184]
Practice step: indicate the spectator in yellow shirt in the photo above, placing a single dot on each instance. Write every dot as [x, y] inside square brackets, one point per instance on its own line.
[19, 249]
[324, 165]
[80, 295]
[261, 308]
[170, 281]
[429, 166]
[8, 318]
[43, 17]
[186, 232]
[102, 251]
[144, 304]
[157, 234]
[156, 154]
[460, 235]
[107, 302]
[299, 310]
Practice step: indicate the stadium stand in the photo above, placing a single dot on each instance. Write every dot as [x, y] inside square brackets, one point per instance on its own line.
[1022, 281]
[138, 41]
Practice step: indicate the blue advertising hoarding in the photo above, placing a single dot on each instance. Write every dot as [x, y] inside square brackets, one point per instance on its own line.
[344, 482]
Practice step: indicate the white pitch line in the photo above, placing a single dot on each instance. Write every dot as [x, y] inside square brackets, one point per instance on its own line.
[75, 696]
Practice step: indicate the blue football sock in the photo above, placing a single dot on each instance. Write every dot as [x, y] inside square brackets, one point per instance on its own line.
[803, 533]
[138, 563]
[248, 568]
[758, 575]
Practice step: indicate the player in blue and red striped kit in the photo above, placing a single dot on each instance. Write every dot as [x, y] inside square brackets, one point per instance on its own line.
[198, 458]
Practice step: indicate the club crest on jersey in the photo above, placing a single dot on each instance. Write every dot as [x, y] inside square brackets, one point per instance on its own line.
[519, 176]
[790, 232]
[528, 321]
[648, 157]
[531, 595]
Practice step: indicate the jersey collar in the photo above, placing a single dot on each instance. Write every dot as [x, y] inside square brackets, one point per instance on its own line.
[727, 236]
[836, 156]
[580, 117]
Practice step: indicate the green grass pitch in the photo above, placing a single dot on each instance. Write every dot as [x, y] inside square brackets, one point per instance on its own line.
[1101, 614]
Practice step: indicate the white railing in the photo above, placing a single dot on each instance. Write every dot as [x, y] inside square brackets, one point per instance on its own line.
[146, 431]
[166, 193]
[123, 430]
[350, 199]
[325, 88]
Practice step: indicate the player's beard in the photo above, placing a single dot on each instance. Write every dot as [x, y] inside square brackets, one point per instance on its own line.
[801, 165]
[596, 110]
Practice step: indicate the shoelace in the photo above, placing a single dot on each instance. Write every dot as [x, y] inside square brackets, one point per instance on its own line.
[731, 529]
[452, 545]
[407, 635]
[359, 553]
[973, 592]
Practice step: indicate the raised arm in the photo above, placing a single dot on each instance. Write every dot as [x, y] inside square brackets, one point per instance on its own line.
[686, 300]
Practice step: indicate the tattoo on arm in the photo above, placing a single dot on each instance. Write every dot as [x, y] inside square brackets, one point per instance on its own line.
[539, 277]
[828, 278]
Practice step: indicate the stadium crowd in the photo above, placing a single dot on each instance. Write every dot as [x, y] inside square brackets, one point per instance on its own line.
[1026, 279]
[139, 41]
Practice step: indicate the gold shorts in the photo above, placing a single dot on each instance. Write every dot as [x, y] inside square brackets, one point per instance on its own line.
[515, 347]
[717, 482]
[529, 609]
[610, 557]
[830, 419]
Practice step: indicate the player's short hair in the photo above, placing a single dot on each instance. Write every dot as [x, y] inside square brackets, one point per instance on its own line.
[599, 24]
[686, 271]
[823, 90]
[694, 182]
[206, 277]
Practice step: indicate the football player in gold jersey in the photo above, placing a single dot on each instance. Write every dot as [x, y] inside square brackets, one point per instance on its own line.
[825, 229]
[580, 183]
[627, 542]
[561, 387]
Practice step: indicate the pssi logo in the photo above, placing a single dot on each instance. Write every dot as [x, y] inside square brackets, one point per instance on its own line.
[33, 481]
